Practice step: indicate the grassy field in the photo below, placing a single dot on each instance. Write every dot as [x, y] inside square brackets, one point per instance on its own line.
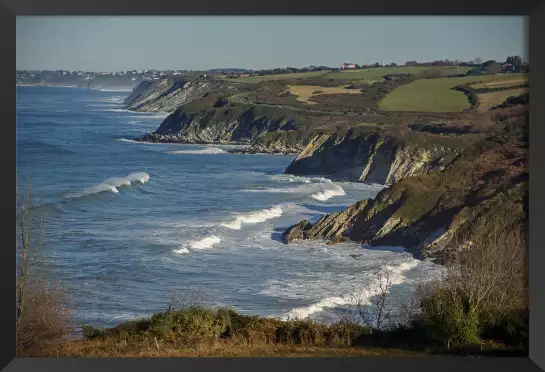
[376, 74]
[488, 100]
[306, 92]
[257, 79]
[502, 83]
[436, 95]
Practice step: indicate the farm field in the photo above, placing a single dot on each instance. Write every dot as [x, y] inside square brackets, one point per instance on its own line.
[377, 74]
[305, 92]
[488, 100]
[258, 79]
[436, 95]
[502, 83]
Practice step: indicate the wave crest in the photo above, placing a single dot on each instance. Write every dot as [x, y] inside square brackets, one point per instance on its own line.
[112, 184]
[328, 194]
[397, 277]
[254, 217]
[211, 150]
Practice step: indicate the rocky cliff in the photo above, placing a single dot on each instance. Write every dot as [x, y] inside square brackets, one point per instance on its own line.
[267, 129]
[435, 213]
[167, 94]
[369, 157]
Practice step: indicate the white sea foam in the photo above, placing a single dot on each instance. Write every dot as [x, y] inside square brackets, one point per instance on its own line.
[292, 178]
[116, 90]
[318, 191]
[117, 110]
[210, 150]
[112, 184]
[328, 194]
[253, 217]
[204, 243]
[140, 142]
[181, 250]
[372, 288]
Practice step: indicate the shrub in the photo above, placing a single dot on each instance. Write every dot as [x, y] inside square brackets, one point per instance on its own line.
[92, 333]
[448, 317]
[42, 312]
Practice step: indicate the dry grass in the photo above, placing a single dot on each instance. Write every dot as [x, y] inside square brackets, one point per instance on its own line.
[212, 348]
[305, 92]
[258, 79]
[488, 100]
[502, 83]
[376, 74]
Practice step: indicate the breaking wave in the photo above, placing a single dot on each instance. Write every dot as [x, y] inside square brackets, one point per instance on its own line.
[204, 243]
[211, 150]
[328, 194]
[397, 277]
[318, 191]
[112, 184]
[292, 178]
[207, 242]
[139, 142]
[253, 217]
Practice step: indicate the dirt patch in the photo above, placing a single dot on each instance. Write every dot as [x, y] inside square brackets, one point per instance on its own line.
[305, 92]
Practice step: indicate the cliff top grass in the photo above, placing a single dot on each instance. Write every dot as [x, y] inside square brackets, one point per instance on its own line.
[376, 74]
[436, 95]
[502, 83]
[258, 79]
[488, 100]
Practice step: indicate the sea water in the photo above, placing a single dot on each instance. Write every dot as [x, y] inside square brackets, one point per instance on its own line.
[129, 224]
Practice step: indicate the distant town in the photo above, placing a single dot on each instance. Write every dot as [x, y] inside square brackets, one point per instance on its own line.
[131, 78]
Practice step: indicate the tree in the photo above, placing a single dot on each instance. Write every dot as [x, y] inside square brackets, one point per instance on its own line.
[393, 64]
[491, 67]
[411, 63]
[372, 305]
[478, 60]
[514, 60]
[376, 65]
[42, 317]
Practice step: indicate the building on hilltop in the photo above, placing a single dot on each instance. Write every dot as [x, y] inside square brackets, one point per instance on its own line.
[347, 66]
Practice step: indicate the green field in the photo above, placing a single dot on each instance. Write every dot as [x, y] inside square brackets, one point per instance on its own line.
[488, 100]
[435, 95]
[298, 75]
[376, 74]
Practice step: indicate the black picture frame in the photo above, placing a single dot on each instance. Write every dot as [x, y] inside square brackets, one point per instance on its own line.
[536, 28]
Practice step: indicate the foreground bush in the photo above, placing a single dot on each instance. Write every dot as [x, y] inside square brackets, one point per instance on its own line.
[42, 314]
[189, 325]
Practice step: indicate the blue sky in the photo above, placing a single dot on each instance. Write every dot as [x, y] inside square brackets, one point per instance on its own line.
[204, 42]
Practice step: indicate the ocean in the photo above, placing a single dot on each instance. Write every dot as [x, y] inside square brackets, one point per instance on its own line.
[127, 225]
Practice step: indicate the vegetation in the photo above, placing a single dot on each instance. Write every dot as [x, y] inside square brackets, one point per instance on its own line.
[304, 93]
[42, 314]
[489, 100]
[377, 74]
[435, 95]
[258, 79]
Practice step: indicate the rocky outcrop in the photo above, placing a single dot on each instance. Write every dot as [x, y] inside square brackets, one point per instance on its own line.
[167, 94]
[329, 227]
[370, 157]
[264, 129]
[431, 214]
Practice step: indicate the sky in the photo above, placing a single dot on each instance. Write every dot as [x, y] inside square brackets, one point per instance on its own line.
[102, 44]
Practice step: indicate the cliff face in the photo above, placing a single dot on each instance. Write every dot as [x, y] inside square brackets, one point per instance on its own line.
[369, 157]
[434, 214]
[246, 125]
[166, 94]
